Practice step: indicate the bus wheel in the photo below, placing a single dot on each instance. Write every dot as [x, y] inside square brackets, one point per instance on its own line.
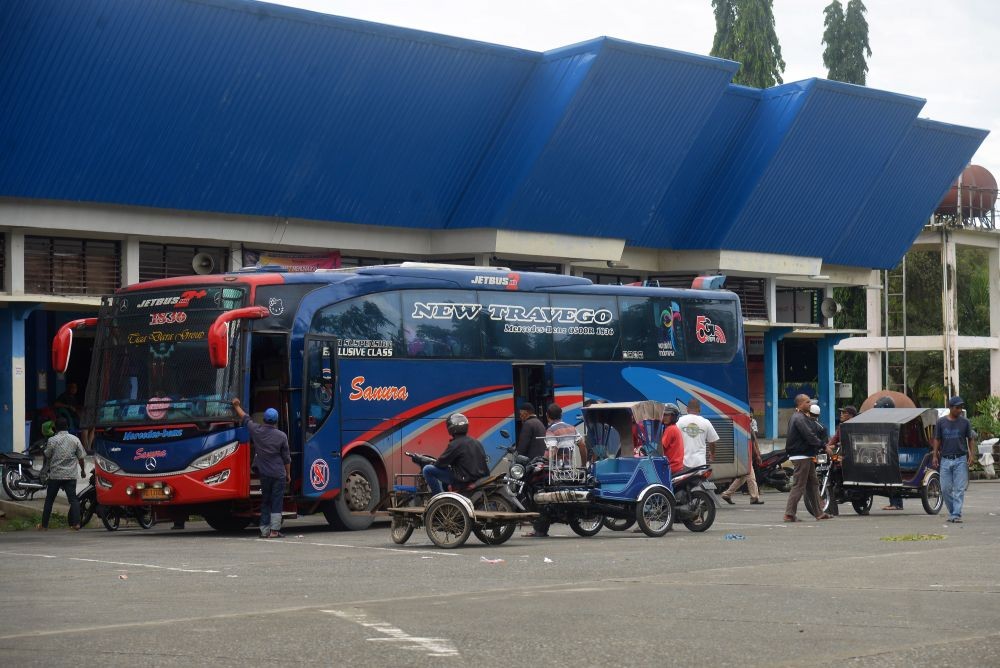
[359, 494]
[225, 522]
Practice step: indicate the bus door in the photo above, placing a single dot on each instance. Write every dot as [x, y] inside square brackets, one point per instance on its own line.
[269, 381]
[320, 430]
[567, 388]
[542, 384]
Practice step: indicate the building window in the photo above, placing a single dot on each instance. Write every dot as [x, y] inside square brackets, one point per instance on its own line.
[166, 261]
[611, 279]
[58, 266]
[3, 261]
[360, 261]
[797, 305]
[513, 265]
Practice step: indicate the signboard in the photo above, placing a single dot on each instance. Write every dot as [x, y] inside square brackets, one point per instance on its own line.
[291, 261]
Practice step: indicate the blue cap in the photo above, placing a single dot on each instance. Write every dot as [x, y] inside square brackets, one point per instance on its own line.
[271, 416]
[956, 401]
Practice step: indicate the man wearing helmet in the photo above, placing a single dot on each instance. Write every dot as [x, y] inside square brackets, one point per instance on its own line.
[463, 461]
[673, 439]
[274, 466]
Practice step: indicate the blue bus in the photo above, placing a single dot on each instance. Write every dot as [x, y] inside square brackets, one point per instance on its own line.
[364, 364]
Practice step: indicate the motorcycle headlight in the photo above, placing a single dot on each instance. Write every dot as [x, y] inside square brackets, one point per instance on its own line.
[106, 465]
[821, 459]
[517, 471]
[215, 456]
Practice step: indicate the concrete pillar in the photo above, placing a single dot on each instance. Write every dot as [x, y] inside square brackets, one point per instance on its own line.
[873, 309]
[12, 373]
[771, 338]
[771, 295]
[15, 263]
[483, 260]
[949, 306]
[130, 261]
[993, 263]
[235, 256]
[826, 391]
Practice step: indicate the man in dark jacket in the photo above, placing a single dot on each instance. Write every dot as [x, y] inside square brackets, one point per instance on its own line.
[273, 461]
[463, 461]
[802, 444]
[531, 442]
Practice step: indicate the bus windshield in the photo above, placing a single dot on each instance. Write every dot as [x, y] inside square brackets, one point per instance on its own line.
[151, 363]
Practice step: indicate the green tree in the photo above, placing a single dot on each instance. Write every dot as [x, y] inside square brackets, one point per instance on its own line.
[744, 32]
[845, 38]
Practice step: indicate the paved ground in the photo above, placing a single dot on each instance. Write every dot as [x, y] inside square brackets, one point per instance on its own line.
[812, 593]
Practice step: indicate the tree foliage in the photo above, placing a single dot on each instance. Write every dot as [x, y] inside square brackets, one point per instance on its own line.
[845, 37]
[744, 32]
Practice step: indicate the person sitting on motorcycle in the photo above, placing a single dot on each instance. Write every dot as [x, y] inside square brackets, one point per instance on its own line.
[463, 461]
[673, 439]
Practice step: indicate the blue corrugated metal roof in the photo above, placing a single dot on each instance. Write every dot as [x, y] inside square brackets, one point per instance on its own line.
[242, 107]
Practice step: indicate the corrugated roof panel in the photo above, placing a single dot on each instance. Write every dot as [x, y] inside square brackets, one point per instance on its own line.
[737, 180]
[538, 111]
[906, 193]
[609, 161]
[697, 181]
[246, 108]
[838, 145]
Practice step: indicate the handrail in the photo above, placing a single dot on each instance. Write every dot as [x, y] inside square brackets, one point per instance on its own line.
[218, 339]
[62, 342]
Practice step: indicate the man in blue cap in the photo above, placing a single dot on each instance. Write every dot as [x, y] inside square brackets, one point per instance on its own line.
[952, 448]
[274, 466]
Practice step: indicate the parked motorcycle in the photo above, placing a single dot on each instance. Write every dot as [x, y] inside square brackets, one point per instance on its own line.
[88, 501]
[112, 516]
[695, 498]
[771, 472]
[21, 480]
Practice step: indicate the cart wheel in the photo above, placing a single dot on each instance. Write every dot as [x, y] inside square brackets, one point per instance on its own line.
[447, 522]
[862, 506]
[400, 530]
[930, 495]
[112, 518]
[145, 516]
[704, 513]
[495, 533]
[619, 523]
[654, 512]
[587, 526]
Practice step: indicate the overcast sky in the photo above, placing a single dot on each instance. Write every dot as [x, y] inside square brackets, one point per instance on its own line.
[945, 51]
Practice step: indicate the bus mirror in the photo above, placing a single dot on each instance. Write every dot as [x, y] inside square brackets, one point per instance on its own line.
[62, 343]
[218, 333]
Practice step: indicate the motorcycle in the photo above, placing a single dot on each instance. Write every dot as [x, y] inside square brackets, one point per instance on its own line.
[112, 516]
[21, 480]
[771, 472]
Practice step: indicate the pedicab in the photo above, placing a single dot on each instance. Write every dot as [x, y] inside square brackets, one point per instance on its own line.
[883, 452]
[627, 480]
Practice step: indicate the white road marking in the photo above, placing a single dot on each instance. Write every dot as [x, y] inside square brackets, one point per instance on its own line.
[112, 563]
[442, 647]
[353, 547]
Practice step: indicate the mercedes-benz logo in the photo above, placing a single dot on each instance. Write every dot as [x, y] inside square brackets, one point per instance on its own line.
[151, 464]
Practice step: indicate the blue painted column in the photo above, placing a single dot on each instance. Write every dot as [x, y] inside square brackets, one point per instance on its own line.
[771, 338]
[6, 380]
[826, 390]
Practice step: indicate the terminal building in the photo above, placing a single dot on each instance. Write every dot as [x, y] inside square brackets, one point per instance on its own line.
[171, 137]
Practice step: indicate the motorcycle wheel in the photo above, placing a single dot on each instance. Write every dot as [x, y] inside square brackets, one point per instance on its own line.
[145, 517]
[400, 530]
[495, 533]
[826, 501]
[12, 484]
[930, 495]
[619, 523]
[704, 514]
[654, 512]
[224, 521]
[447, 523]
[587, 526]
[88, 504]
[862, 506]
[112, 518]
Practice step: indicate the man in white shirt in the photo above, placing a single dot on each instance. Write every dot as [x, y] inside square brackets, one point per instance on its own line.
[699, 436]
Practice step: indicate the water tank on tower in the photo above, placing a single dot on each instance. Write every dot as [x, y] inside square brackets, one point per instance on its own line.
[979, 194]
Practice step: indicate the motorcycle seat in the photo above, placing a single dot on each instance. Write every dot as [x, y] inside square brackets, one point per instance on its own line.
[17, 457]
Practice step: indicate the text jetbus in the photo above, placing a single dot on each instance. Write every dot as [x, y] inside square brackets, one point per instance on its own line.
[363, 364]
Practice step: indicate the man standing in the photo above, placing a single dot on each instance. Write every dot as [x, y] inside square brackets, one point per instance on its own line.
[530, 443]
[561, 432]
[802, 444]
[63, 451]
[464, 460]
[750, 477]
[952, 447]
[699, 435]
[274, 467]
[673, 439]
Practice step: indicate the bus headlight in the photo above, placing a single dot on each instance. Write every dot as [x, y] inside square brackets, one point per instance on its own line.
[106, 465]
[517, 471]
[215, 456]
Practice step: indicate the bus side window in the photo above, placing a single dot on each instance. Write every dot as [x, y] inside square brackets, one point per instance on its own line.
[319, 383]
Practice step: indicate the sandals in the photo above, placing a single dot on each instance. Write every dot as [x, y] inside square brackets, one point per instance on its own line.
[791, 518]
[756, 502]
[892, 508]
[534, 534]
[824, 516]
[728, 499]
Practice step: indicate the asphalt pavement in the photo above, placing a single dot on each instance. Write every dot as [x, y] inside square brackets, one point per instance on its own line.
[750, 591]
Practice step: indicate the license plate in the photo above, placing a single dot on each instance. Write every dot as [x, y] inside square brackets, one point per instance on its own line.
[153, 494]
